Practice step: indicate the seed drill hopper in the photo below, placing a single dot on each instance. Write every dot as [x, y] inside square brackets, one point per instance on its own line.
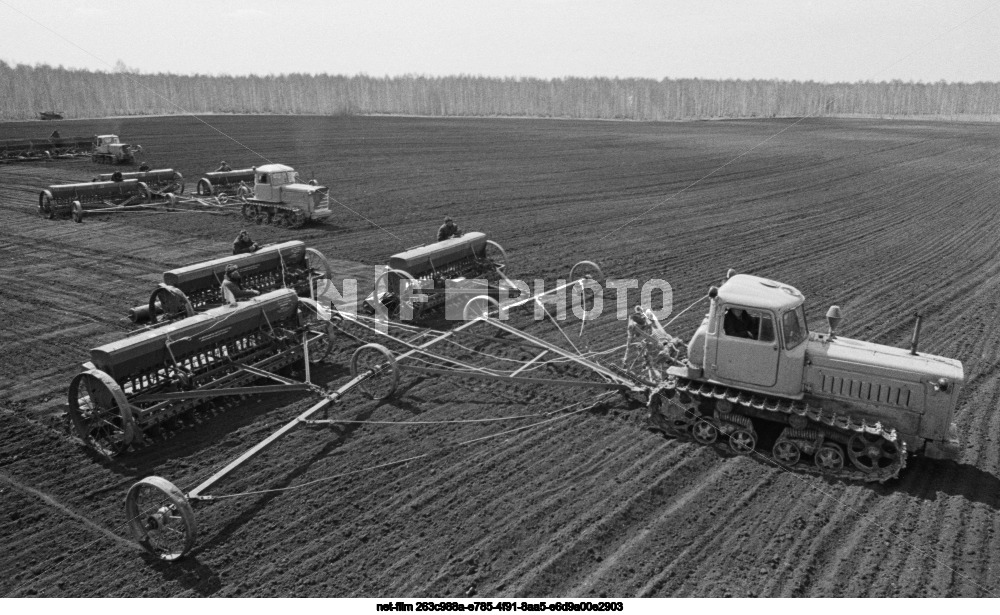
[132, 387]
[197, 287]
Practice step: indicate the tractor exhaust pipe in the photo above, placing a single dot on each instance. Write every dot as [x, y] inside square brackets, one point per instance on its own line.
[916, 334]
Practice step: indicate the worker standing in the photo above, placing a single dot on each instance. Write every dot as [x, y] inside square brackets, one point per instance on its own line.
[223, 167]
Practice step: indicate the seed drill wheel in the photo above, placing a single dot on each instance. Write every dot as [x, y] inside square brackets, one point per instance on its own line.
[406, 281]
[591, 278]
[871, 452]
[587, 269]
[380, 366]
[171, 302]
[160, 518]
[318, 263]
[100, 413]
[829, 457]
[496, 256]
[45, 207]
[482, 306]
[204, 187]
[77, 211]
[320, 334]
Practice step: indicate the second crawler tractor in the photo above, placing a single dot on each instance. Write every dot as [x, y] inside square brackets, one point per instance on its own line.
[756, 379]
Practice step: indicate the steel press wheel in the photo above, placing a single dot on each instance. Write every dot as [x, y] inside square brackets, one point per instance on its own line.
[316, 262]
[77, 211]
[496, 256]
[160, 518]
[586, 270]
[481, 307]
[320, 335]
[100, 413]
[170, 302]
[786, 452]
[871, 452]
[829, 458]
[742, 441]
[703, 431]
[378, 368]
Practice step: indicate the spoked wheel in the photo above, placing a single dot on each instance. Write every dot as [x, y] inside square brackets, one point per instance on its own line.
[404, 287]
[77, 211]
[204, 188]
[786, 452]
[320, 335]
[481, 307]
[829, 458]
[704, 431]
[871, 452]
[496, 256]
[170, 302]
[160, 518]
[379, 368]
[100, 413]
[588, 270]
[45, 208]
[742, 441]
[318, 263]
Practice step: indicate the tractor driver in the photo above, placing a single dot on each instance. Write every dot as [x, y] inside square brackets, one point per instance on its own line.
[243, 244]
[232, 288]
[449, 229]
[223, 167]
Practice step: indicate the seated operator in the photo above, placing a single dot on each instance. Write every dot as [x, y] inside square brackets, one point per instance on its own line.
[243, 244]
[448, 230]
[232, 289]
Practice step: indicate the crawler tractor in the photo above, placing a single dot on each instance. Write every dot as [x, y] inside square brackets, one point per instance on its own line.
[279, 198]
[754, 375]
[109, 150]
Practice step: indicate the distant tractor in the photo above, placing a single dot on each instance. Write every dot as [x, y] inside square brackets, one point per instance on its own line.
[279, 198]
[109, 150]
[50, 115]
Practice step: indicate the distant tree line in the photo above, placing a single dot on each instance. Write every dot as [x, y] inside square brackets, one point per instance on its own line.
[27, 90]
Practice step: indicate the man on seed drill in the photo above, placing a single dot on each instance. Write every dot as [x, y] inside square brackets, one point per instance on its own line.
[243, 244]
[223, 167]
[449, 229]
[232, 287]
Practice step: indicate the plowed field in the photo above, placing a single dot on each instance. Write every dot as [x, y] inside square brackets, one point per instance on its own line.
[883, 218]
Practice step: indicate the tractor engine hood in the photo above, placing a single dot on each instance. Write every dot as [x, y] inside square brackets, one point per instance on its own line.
[304, 189]
[849, 368]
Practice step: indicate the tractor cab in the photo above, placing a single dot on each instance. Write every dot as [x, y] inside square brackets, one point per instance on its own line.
[754, 337]
[106, 140]
[269, 178]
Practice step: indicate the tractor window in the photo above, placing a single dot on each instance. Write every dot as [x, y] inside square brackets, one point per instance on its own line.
[793, 324]
[748, 324]
[262, 179]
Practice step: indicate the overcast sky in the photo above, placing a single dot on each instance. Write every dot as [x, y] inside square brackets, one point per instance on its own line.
[829, 40]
